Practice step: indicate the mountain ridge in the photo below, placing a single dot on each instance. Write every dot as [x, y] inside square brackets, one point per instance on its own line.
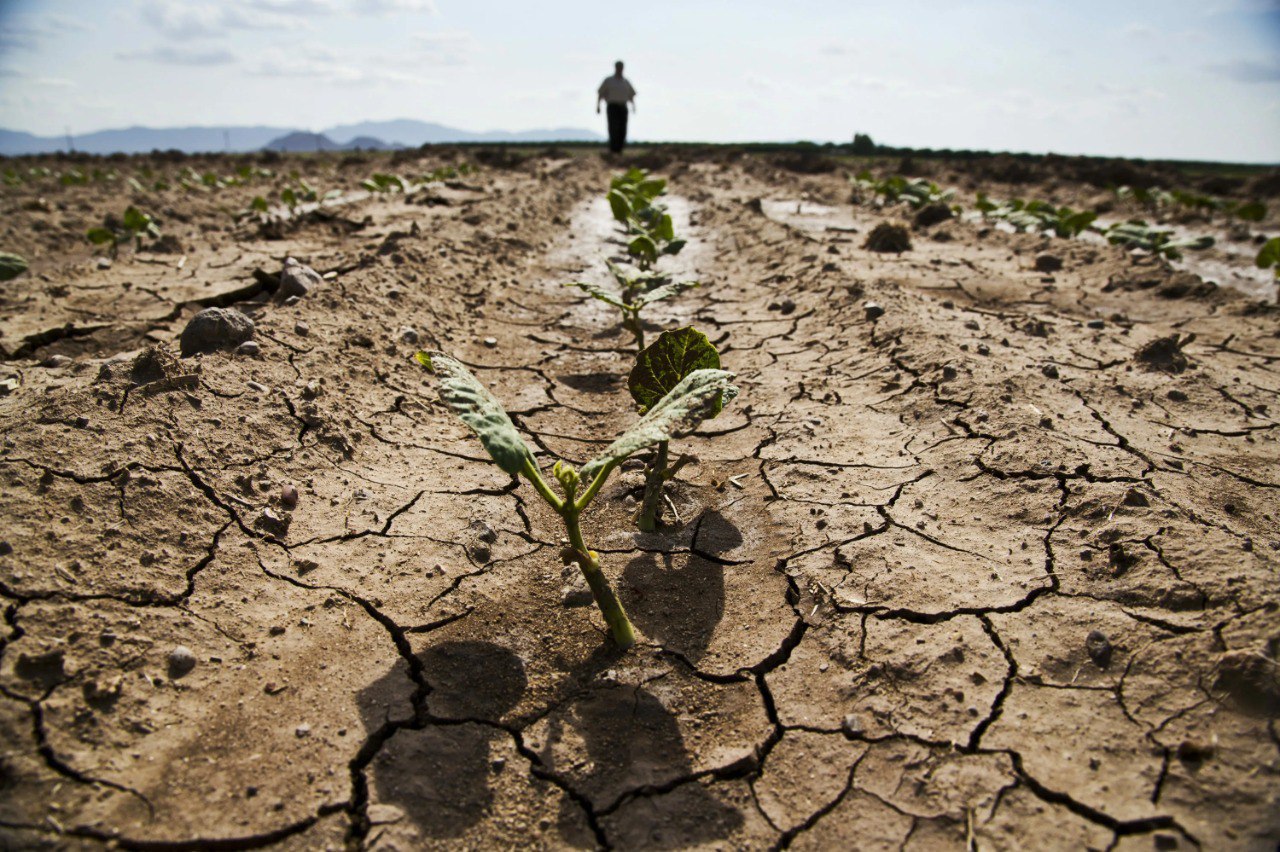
[391, 134]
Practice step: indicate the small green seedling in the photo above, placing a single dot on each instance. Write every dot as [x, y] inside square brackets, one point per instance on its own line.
[1037, 216]
[133, 226]
[11, 266]
[1137, 234]
[698, 396]
[385, 183]
[1269, 256]
[659, 368]
[639, 290]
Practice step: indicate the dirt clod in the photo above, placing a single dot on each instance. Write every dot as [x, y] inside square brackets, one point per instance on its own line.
[932, 214]
[1048, 263]
[889, 237]
[1098, 647]
[1164, 354]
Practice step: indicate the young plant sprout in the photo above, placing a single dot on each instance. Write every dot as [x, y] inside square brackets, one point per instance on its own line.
[639, 290]
[1269, 256]
[696, 397]
[659, 369]
[649, 228]
[134, 225]
[1037, 216]
[1137, 234]
[11, 265]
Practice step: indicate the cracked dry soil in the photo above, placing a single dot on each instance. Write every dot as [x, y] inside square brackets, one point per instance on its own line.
[968, 575]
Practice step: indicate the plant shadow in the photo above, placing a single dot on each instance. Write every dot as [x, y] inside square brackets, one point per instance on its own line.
[599, 738]
[680, 608]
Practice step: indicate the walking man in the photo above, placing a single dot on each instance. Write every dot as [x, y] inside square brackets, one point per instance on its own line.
[616, 93]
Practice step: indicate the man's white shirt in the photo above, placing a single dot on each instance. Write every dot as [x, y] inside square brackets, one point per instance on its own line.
[616, 90]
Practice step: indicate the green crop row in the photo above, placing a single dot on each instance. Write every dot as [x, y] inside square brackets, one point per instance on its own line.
[676, 384]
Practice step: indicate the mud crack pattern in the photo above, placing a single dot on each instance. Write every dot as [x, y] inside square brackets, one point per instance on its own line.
[961, 575]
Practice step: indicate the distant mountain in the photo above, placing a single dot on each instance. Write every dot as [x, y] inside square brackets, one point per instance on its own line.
[240, 138]
[411, 133]
[300, 141]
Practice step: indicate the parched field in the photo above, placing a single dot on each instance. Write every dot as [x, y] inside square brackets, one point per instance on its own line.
[974, 566]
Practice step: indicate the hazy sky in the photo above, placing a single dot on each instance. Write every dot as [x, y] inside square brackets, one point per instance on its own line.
[1165, 78]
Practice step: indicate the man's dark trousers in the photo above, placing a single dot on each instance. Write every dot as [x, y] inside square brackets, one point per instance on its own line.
[617, 126]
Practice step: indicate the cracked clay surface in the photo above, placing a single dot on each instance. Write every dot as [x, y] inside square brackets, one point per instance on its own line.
[966, 575]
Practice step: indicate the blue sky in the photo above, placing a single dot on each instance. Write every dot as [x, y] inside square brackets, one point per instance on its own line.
[1155, 79]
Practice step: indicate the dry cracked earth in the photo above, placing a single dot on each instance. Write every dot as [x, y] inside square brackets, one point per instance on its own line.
[982, 571]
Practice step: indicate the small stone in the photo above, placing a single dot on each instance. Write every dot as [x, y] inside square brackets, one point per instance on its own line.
[54, 362]
[5, 548]
[289, 497]
[297, 279]
[302, 731]
[383, 814]
[104, 263]
[1096, 324]
[483, 532]
[213, 329]
[276, 630]
[1098, 647]
[1177, 396]
[573, 596]
[181, 661]
[1134, 497]
[82, 422]
[1049, 371]
[409, 335]
[256, 387]
[301, 328]
[498, 764]
[311, 390]
[481, 553]
[850, 725]
[872, 310]
[491, 342]
[249, 348]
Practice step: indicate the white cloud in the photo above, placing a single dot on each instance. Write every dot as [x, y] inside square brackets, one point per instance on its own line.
[385, 7]
[331, 71]
[178, 19]
[180, 56]
[1249, 71]
[450, 47]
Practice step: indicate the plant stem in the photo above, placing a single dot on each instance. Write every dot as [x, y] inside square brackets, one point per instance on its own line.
[655, 474]
[632, 324]
[610, 607]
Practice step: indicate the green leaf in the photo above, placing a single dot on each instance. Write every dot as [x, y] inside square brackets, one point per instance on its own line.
[665, 291]
[1251, 211]
[674, 246]
[11, 266]
[289, 197]
[618, 204]
[101, 236]
[598, 292]
[424, 359]
[697, 397]
[259, 204]
[474, 405]
[135, 220]
[643, 247]
[665, 229]
[1269, 255]
[661, 365]
[651, 188]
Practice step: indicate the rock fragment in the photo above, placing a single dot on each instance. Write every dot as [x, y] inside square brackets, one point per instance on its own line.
[297, 279]
[213, 329]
